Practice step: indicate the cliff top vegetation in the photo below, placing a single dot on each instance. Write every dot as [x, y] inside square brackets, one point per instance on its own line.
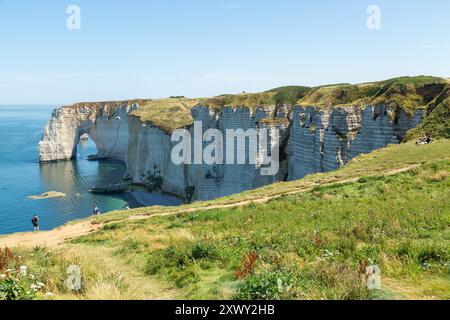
[409, 93]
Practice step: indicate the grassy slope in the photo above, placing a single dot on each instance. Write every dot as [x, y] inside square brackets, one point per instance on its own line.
[406, 92]
[308, 245]
[437, 124]
[378, 162]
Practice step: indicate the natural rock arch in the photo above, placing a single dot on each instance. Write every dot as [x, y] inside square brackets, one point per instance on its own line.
[106, 126]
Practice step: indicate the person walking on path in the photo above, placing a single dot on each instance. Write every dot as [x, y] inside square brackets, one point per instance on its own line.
[35, 222]
[96, 211]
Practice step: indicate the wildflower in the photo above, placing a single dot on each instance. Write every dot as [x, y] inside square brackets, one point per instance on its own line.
[328, 254]
[37, 286]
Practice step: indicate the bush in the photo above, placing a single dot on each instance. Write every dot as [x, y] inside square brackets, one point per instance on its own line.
[203, 250]
[433, 254]
[13, 289]
[183, 278]
[273, 285]
[8, 260]
[173, 256]
[247, 266]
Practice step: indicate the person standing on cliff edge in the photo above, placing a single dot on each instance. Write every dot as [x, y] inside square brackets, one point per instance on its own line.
[35, 222]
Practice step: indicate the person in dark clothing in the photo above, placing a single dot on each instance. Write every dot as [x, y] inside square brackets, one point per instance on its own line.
[96, 211]
[35, 222]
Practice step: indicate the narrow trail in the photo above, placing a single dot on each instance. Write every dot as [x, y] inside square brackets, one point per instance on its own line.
[139, 286]
[75, 230]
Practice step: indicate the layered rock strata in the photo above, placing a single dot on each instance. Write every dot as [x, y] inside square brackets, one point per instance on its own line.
[311, 140]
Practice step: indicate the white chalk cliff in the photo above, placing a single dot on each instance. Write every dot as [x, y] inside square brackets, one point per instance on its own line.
[312, 140]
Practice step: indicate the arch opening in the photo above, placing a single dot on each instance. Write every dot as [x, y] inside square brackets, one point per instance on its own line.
[86, 147]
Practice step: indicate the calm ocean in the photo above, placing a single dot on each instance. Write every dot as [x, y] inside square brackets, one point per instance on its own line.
[22, 176]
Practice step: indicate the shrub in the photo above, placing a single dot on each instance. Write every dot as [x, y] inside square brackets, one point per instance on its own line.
[184, 278]
[247, 265]
[172, 256]
[155, 262]
[176, 256]
[13, 289]
[112, 226]
[273, 285]
[433, 254]
[8, 260]
[203, 250]
[405, 251]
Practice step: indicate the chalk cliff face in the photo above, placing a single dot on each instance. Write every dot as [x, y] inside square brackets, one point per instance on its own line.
[107, 126]
[326, 140]
[148, 157]
[311, 140]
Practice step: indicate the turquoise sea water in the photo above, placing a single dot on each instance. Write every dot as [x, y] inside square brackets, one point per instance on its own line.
[22, 176]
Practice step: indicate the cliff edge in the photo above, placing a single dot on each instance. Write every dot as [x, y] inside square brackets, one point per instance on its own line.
[321, 129]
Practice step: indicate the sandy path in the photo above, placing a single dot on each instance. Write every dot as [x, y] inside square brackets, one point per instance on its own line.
[71, 231]
[49, 238]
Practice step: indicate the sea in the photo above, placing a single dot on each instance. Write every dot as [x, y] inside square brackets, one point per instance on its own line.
[22, 176]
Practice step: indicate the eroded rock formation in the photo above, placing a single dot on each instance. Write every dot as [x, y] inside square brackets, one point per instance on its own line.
[312, 140]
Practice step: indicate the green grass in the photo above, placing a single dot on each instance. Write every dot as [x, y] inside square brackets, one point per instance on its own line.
[309, 245]
[409, 93]
[167, 114]
[312, 243]
[436, 125]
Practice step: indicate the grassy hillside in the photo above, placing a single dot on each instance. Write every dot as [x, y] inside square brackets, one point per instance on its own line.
[437, 124]
[312, 242]
[406, 92]
[409, 93]
[173, 113]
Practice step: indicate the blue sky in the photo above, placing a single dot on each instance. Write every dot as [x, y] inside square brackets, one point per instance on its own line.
[157, 48]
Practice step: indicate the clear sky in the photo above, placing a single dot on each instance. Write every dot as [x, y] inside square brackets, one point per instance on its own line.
[156, 48]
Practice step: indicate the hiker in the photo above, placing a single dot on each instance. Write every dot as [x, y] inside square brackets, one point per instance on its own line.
[35, 222]
[425, 139]
[96, 211]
